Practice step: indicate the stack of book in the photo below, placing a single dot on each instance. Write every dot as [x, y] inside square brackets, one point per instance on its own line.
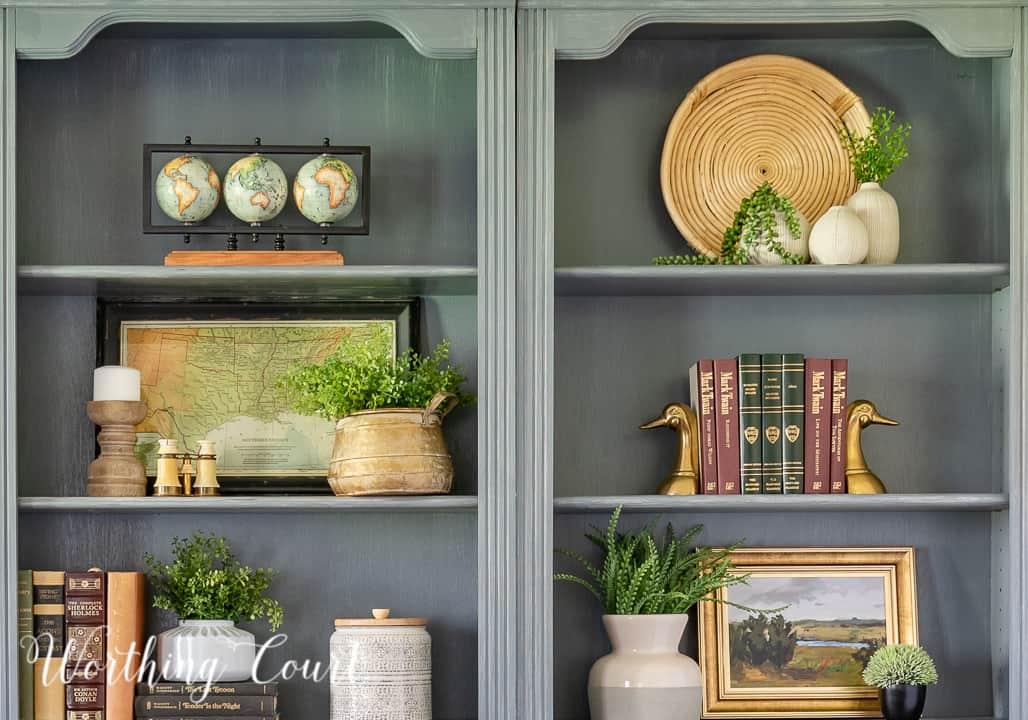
[226, 701]
[88, 628]
[771, 424]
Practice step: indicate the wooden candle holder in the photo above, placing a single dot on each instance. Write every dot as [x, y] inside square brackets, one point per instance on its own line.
[116, 472]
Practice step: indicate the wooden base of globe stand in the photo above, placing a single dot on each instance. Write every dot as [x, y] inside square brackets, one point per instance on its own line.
[116, 472]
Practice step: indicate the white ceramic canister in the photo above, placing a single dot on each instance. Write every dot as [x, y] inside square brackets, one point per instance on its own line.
[381, 668]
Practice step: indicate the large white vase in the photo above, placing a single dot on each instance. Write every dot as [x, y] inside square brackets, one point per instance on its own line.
[206, 650]
[645, 677]
[838, 238]
[763, 255]
[878, 211]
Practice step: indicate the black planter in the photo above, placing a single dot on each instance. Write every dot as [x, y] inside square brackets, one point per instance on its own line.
[902, 702]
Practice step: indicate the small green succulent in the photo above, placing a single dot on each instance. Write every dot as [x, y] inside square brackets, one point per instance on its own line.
[900, 665]
[877, 154]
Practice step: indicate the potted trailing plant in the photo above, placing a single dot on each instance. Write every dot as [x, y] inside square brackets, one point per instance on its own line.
[210, 591]
[388, 415]
[646, 589]
[874, 156]
[767, 230]
[902, 674]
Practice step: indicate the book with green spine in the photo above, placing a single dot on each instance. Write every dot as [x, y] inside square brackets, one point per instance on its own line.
[771, 422]
[25, 634]
[750, 449]
[792, 423]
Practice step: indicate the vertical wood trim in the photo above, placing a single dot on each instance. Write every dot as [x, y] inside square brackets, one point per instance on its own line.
[499, 579]
[8, 420]
[535, 113]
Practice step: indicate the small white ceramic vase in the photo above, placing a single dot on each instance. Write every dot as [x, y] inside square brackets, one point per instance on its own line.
[645, 677]
[878, 211]
[763, 255]
[202, 650]
[838, 238]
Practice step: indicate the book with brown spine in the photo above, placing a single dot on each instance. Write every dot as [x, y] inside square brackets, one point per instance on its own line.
[48, 627]
[126, 611]
[25, 634]
[85, 612]
[817, 426]
[726, 432]
[840, 369]
[701, 391]
[214, 690]
[183, 705]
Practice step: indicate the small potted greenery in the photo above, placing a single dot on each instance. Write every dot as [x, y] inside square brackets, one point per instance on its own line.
[646, 589]
[388, 415]
[874, 156]
[902, 674]
[210, 591]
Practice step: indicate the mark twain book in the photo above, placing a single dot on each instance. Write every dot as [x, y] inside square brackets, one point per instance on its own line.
[750, 448]
[792, 423]
[184, 705]
[125, 613]
[25, 680]
[771, 422]
[701, 391]
[726, 432]
[48, 627]
[840, 369]
[817, 421]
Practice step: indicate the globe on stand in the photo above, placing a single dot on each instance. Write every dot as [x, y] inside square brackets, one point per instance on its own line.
[187, 189]
[255, 189]
[325, 189]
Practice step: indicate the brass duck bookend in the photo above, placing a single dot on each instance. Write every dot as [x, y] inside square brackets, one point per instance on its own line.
[684, 478]
[859, 479]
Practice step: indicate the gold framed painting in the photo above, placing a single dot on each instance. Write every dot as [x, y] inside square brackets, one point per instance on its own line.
[835, 606]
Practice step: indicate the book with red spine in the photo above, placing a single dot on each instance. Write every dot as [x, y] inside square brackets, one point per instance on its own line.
[840, 369]
[701, 390]
[726, 431]
[817, 436]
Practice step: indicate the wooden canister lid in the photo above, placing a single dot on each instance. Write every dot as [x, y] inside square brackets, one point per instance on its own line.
[380, 618]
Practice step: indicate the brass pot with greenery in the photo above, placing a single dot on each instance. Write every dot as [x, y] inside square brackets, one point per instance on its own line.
[902, 674]
[646, 588]
[388, 413]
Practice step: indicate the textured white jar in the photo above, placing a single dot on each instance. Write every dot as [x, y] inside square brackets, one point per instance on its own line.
[838, 238]
[878, 211]
[202, 650]
[645, 677]
[763, 255]
[381, 669]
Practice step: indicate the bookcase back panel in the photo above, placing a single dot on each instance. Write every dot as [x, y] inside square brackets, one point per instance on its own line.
[952, 559]
[330, 566]
[56, 357]
[82, 124]
[612, 116]
[926, 361]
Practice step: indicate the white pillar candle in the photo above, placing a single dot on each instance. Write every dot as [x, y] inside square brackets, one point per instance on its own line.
[114, 382]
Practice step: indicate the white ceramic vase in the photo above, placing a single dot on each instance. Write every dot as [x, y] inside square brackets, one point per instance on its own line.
[838, 238]
[878, 211]
[202, 650]
[645, 677]
[763, 255]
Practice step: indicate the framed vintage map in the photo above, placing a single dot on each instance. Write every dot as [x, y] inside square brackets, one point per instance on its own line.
[210, 370]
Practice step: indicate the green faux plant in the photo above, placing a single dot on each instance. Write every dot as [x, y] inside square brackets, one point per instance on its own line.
[638, 576]
[877, 154]
[754, 223]
[900, 665]
[205, 581]
[362, 376]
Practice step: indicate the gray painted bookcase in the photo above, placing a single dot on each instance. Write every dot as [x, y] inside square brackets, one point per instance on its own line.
[516, 153]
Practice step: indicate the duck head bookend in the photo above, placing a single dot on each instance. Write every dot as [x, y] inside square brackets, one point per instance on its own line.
[684, 478]
[859, 479]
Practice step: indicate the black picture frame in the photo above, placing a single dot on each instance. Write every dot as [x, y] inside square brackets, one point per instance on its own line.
[112, 312]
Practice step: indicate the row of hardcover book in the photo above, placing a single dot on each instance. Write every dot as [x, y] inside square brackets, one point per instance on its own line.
[228, 701]
[770, 424]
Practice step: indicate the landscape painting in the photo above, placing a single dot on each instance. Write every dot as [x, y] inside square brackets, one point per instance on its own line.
[821, 634]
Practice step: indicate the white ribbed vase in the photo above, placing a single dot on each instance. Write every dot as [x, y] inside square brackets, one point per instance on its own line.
[878, 211]
[763, 255]
[838, 238]
[645, 677]
[202, 650]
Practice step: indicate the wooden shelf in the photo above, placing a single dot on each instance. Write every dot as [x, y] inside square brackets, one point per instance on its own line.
[914, 279]
[355, 282]
[250, 503]
[937, 502]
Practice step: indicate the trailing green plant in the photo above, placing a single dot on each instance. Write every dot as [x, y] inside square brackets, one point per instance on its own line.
[754, 224]
[638, 576]
[362, 375]
[205, 581]
[877, 154]
[900, 665]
